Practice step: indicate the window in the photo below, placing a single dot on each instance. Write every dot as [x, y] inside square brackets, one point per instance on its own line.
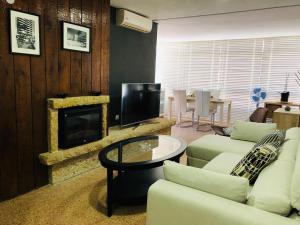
[234, 66]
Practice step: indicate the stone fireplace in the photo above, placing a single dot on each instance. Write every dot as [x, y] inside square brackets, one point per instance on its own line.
[66, 163]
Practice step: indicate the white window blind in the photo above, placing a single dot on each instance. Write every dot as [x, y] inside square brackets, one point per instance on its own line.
[234, 66]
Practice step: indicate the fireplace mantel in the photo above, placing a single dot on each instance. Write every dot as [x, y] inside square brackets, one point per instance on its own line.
[60, 169]
[115, 134]
[67, 163]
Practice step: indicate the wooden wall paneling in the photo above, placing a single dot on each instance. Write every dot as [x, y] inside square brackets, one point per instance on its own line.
[38, 90]
[75, 11]
[105, 46]
[8, 131]
[96, 46]
[51, 47]
[27, 81]
[86, 75]
[64, 56]
[24, 115]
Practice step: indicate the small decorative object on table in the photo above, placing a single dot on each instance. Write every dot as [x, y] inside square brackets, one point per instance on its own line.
[258, 94]
[285, 94]
[287, 108]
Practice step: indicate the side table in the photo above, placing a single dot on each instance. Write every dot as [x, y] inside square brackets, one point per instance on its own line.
[286, 119]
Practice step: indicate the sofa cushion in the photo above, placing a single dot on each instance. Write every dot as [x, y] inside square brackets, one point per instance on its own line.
[293, 133]
[250, 131]
[209, 146]
[255, 161]
[277, 136]
[223, 163]
[223, 185]
[295, 185]
[271, 191]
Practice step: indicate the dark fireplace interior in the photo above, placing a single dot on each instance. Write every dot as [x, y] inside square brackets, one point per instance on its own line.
[79, 125]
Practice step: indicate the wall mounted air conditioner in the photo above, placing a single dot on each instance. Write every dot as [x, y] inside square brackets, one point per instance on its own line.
[133, 21]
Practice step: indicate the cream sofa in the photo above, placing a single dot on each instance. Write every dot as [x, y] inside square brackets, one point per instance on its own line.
[270, 201]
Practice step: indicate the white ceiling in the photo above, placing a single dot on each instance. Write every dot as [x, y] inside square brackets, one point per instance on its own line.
[252, 24]
[166, 9]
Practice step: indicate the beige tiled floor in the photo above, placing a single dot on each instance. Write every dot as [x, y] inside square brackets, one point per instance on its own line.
[78, 201]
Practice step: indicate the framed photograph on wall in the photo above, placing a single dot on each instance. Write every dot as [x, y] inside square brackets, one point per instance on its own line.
[76, 37]
[24, 33]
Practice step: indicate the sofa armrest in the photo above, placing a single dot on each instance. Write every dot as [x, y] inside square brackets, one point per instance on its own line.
[173, 204]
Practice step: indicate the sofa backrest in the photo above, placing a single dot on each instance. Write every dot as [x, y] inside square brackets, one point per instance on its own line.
[271, 191]
[293, 133]
[295, 185]
[250, 131]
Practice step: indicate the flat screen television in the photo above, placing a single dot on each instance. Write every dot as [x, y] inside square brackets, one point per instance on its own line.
[140, 102]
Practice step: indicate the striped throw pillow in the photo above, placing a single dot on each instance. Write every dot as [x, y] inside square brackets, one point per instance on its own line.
[262, 154]
[276, 136]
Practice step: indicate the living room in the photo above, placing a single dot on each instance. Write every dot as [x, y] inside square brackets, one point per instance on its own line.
[149, 112]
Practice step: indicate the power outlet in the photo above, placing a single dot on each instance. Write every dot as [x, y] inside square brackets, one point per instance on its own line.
[117, 117]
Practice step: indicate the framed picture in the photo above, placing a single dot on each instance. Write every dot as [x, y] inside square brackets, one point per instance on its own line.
[76, 37]
[24, 33]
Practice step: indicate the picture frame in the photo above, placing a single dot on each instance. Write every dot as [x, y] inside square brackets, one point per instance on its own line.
[76, 37]
[24, 32]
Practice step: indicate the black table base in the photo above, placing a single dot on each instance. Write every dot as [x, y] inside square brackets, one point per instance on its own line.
[130, 187]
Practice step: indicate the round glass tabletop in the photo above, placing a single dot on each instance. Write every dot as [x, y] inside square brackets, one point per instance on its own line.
[142, 150]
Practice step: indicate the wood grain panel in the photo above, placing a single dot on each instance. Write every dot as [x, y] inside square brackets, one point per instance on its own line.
[64, 63]
[75, 11]
[38, 87]
[8, 131]
[24, 115]
[27, 81]
[105, 46]
[86, 75]
[51, 47]
[96, 43]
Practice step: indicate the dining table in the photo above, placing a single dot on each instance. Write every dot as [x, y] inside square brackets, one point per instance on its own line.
[219, 102]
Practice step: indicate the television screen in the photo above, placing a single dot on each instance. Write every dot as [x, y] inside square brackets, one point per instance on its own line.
[140, 102]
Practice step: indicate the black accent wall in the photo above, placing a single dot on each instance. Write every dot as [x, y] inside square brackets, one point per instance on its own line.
[132, 60]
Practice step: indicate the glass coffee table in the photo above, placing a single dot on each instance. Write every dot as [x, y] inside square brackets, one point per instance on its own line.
[138, 164]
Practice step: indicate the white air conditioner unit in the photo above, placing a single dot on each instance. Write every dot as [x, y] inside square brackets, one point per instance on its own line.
[133, 21]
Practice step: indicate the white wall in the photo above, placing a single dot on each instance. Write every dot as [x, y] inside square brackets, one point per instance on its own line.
[252, 24]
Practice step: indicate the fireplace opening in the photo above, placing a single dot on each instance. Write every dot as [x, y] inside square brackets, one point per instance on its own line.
[79, 125]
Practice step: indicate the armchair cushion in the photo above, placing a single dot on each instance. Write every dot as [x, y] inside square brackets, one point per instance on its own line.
[250, 131]
[223, 185]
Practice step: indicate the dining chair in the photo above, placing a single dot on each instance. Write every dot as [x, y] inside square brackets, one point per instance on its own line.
[215, 93]
[203, 109]
[181, 106]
